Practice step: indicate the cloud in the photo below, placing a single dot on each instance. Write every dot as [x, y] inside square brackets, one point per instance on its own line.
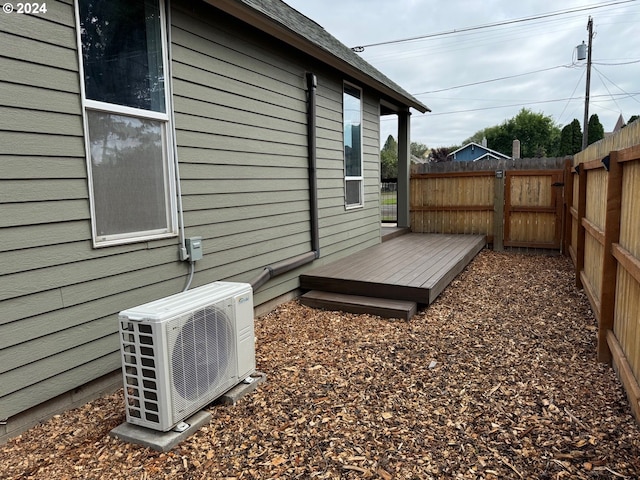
[509, 50]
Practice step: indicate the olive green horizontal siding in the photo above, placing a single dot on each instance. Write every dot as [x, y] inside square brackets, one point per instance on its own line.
[189, 155]
[205, 199]
[211, 107]
[63, 340]
[15, 167]
[40, 190]
[231, 42]
[95, 367]
[34, 213]
[245, 187]
[232, 134]
[249, 218]
[34, 50]
[32, 281]
[18, 71]
[81, 304]
[242, 144]
[240, 105]
[50, 346]
[38, 98]
[221, 244]
[33, 373]
[235, 259]
[187, 92]
[76, 253]
[31, 26]
[215, 81]
[240, 172]
[34, 121]
[331, 225]
[30, 236]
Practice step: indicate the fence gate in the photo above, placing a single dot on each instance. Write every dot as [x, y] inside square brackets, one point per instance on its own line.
[533, 208]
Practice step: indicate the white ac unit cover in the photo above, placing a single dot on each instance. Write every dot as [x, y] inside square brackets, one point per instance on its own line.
[182, 352]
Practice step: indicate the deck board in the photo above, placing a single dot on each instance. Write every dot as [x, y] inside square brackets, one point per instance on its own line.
[423, 269]
[404, 264]
[440, 264]
[414, 267]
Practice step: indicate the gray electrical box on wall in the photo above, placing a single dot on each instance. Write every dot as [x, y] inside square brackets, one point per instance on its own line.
[194, 248]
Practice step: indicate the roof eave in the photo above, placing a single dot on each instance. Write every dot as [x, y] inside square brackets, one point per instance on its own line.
[269, 26]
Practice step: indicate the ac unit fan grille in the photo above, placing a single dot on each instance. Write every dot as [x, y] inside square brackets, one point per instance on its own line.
[202, 357]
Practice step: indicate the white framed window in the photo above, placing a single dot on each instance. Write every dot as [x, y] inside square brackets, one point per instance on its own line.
[123, 62]
[352, 124]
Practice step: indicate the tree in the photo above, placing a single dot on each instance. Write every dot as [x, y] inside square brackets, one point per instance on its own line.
[389, 159]
[538, 134]
[440, 154]
[571, 138]
[419, 149]
[595, 129]
[632, 119]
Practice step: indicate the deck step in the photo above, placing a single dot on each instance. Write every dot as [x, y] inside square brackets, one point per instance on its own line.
[358, 304]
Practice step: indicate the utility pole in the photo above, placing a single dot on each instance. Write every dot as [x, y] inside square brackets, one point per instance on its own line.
[585, 124]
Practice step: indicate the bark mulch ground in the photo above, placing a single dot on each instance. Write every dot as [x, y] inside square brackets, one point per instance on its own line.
[496, 379]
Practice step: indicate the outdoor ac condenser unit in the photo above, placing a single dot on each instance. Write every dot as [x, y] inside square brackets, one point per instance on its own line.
[182, 352]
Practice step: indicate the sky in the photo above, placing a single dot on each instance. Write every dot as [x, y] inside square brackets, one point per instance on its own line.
[536, 60]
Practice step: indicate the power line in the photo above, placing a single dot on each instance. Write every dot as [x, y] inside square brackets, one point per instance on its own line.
[462, 42]
[572, 93]
[491, 80]
[480, 82]
[360, 48]
[615, 85]
[612, 64]
[522, 104]
[607, 89]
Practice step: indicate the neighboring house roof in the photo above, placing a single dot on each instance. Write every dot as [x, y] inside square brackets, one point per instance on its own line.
[619, 124]
[480, 152]
[489, 156]
[287, 24]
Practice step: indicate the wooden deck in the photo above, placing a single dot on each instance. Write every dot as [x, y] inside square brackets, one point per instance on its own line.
[412, 267]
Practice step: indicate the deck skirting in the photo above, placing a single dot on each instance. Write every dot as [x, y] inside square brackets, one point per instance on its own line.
[381, 307]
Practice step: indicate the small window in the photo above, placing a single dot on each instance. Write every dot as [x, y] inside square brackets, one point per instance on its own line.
[127, 127]
[353, 171]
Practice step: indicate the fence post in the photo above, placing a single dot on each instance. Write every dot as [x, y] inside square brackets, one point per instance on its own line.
[609, 263]
[498, 212]
[582, 207]
[567, 219]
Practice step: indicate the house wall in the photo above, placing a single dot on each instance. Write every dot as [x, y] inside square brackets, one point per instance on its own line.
[241, 121]
[241, 134]
[469, 155]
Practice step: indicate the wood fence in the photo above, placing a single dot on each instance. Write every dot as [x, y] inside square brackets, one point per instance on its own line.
[599, 226]
[513, 203]
[456, 202]
[605, 248]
